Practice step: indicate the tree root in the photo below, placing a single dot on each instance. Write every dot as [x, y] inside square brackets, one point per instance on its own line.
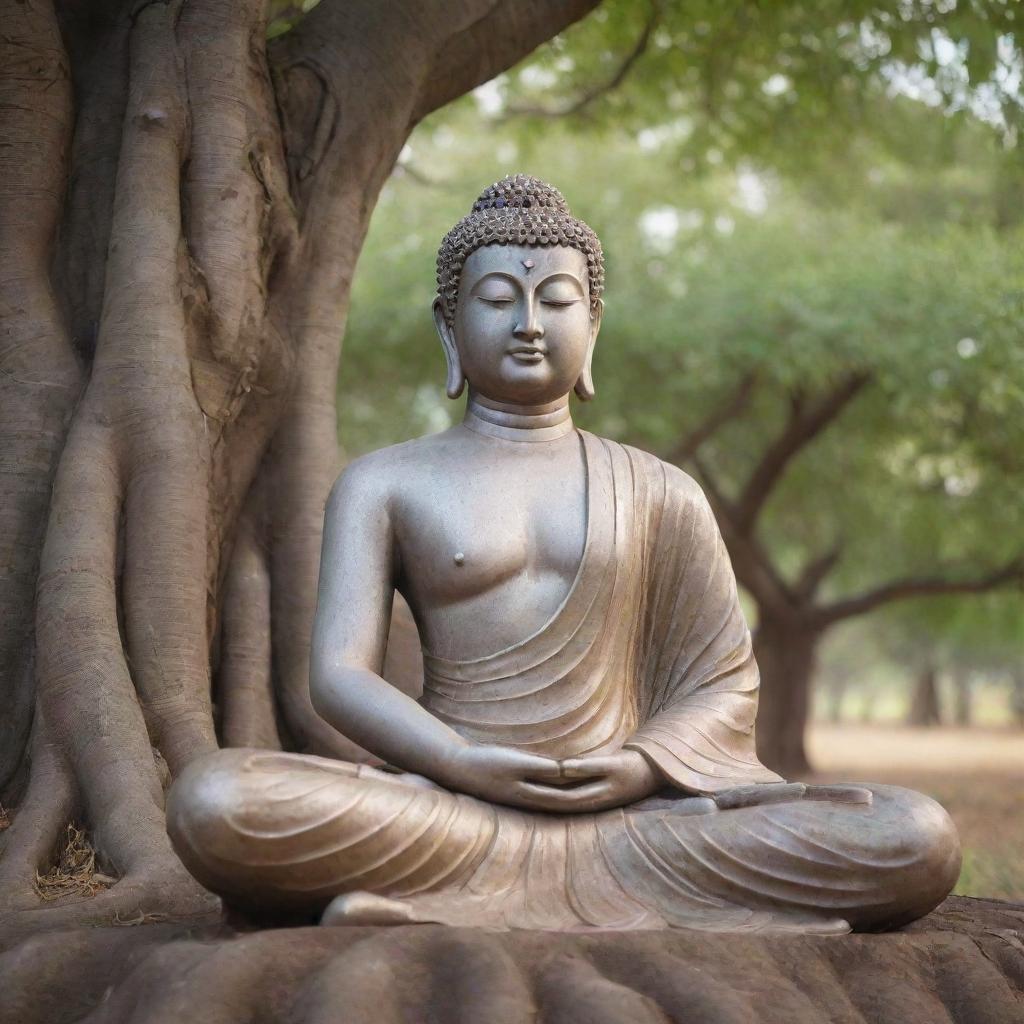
[31, 840]
[143, 373]
[75, 872]
[245, 680]
[164, 891]
[85, 689]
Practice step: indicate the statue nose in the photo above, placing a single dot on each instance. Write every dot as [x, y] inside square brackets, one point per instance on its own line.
[529, 328]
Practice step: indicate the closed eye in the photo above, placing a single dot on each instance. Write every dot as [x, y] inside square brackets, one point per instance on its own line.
[496, 300]
[559, 302]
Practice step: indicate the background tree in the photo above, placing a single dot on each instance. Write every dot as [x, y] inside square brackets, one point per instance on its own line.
[966, 645]
[969, 644]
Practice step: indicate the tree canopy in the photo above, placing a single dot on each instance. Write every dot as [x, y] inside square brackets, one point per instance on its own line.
[719, 278]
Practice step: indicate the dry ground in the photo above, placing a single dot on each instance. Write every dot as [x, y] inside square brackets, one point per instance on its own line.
[977, 774]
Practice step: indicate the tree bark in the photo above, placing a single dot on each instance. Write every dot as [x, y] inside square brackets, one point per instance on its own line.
[924, 702]
[39, 374]
[1017, 697]
[963, 697]
[786, 655]
[962, 963]
[181, 211]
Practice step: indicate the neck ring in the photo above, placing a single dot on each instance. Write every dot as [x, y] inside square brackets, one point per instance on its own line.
[530, 423]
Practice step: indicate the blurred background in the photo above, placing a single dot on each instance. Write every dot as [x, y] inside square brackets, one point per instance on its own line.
[812, 220]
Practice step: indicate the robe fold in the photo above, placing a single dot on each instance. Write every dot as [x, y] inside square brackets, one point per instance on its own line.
[648, 650]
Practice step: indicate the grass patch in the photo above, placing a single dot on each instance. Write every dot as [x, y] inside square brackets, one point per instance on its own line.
[995, 873]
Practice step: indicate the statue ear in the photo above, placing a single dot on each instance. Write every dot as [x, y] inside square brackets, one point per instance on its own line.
[456, 379]
[585, 384]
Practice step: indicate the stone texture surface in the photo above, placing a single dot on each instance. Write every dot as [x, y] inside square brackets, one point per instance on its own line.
[964, 963]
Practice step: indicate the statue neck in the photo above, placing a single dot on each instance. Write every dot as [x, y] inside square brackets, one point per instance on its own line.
[529, 423]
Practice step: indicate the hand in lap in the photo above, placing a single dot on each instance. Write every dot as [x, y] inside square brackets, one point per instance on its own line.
[589, 783]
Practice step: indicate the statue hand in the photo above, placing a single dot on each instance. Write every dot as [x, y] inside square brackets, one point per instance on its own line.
[597, 782]
[500, 774]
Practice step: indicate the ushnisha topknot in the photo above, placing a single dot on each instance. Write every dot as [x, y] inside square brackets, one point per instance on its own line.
[518, 210]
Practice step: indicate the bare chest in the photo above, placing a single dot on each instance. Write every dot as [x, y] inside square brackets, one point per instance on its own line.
[514, 522]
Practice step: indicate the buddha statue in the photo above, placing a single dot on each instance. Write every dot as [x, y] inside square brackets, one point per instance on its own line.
[582, 755]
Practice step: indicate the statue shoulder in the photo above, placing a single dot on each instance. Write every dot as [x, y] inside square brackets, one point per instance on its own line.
[679, 485]
[370, 478]
[683, 486]
[379, 476]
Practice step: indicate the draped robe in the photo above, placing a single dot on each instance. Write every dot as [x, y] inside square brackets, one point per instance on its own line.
[648, 650]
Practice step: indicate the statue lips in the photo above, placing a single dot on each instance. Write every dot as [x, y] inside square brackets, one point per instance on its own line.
[528, 353]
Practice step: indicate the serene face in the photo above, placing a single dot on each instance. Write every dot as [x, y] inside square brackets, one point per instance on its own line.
[523, 330]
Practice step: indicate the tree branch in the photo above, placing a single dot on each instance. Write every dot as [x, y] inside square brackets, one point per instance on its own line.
[354, 78]
[750, 561]
[596, 92]
[403, 169]
[898, 590]
[815, 571]
[715, 495]
[735, 406]
[474, 40]
[805, 423]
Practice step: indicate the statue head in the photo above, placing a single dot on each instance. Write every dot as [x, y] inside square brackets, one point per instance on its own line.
[519, 296]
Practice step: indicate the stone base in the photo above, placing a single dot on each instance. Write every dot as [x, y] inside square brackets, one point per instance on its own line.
[964, 963]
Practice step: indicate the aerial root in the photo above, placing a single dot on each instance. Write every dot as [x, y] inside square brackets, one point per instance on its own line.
[33, 836]
[245, 679]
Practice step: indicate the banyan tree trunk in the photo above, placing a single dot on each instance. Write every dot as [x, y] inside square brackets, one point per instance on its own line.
[181, 210]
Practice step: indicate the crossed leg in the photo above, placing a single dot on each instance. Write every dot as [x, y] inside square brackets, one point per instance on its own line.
[298, 832]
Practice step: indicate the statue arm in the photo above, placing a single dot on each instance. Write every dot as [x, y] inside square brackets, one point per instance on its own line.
[350, 631]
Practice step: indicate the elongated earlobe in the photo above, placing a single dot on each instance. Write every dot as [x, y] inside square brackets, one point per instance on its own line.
[456, 379]
[584, 386]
